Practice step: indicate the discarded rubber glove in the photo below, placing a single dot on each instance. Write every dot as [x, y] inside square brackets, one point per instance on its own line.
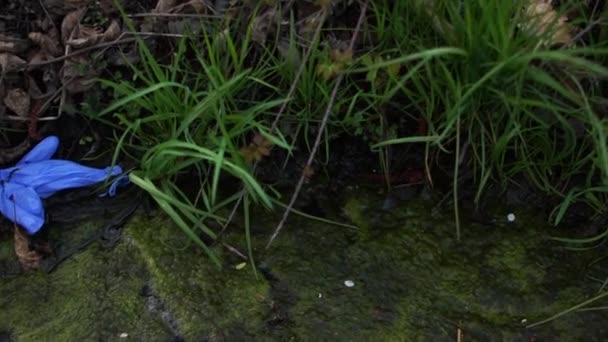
[36, 176]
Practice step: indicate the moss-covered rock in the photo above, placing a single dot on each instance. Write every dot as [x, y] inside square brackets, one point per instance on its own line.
[93, 296]
[412, 281]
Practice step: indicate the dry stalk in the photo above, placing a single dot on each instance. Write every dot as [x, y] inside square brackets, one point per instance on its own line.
[315, 147]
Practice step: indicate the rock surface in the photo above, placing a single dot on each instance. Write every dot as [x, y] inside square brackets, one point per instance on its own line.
[400, 276]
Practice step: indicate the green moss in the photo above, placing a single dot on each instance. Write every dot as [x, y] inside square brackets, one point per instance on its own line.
[207, 302]
[412, 281]
[93, 296]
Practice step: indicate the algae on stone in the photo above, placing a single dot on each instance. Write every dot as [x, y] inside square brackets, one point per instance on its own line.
[93, 296]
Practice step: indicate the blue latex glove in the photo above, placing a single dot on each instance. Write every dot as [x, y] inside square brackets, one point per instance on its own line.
[36, 176]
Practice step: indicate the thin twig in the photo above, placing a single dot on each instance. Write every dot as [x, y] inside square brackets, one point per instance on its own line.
[315, 147]
[75, 53]
[292, 89]
[294, 84]
[174, 15]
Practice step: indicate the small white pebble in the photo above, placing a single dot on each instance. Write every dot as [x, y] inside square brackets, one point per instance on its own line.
[124, 335]
[320, 295]
[511, 217]
[524, 321]
[349, 283]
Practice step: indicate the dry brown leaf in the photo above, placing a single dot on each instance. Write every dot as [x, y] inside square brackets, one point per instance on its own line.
[163, 6]
[12, 44]
[79, 36]
[308, 172]
[70, 22]
[262, 25]
[84, 36]
[192, 6]
[112, 32]
[8, 60]
[341, 56]
[108, 7]
[258, 148]
[79, 75]
[540, 18]
[61, 7]
[46, 43]
[29, 259]
[18, 100]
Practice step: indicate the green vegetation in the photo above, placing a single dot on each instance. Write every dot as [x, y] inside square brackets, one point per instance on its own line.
[501, 99]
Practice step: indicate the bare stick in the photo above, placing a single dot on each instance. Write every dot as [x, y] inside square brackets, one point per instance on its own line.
[283, 107]
[294, 84]
[319, 134]
[75, 53]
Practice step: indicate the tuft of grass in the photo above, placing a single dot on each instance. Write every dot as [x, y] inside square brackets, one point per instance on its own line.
[508, 104]
[186, 121]
[499, 104]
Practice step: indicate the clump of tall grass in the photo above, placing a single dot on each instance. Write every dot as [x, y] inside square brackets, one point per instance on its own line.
[498, 102]
[511, 104]
[187, 120]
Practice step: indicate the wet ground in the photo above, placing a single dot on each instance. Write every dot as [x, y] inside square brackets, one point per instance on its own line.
[400, 275]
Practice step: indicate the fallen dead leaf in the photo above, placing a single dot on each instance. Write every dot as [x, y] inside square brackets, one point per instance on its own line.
[18, 100]
[69, 23]
[79, 75]
[262, 25]
[61, 7]
[541, 19]
[112, 32]
[29, 259]
[342, 56]
[8, 60]
[258, 148]
[308, 172]
[12, 44]
[47, 43]
[163, 6]
[79, 36]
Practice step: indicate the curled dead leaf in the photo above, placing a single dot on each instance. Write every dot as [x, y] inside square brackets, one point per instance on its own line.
[8, 60]
[18, 101]
[69, 23]
[61, 7]
[12, 44]
[112, 32]
[262, 25]
[84, 36]
[541, 19]
[29, 259]
[78, 36]
[259, 148]
[163, 6]
[79, 75]
[177, 6]
[46, 43]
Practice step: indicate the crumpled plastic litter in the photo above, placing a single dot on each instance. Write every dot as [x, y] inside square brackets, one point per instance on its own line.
[36, 176]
